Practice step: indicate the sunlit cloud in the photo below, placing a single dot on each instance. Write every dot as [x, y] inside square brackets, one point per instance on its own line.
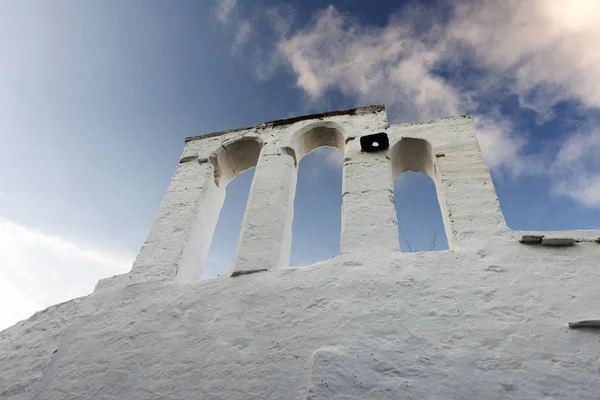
[577, 166]
[546, 53]
[38, 269]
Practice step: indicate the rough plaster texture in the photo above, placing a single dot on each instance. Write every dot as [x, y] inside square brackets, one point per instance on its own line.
[485, 319]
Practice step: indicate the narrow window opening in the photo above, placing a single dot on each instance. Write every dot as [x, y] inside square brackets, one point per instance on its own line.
[317, 207]
[420, 223]
[216, 236]
[227, 231]
[420, 220]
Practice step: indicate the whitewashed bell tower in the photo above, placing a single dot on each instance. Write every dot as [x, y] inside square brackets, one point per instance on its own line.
[485, 319]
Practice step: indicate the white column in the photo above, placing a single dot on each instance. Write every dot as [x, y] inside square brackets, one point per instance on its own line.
[368, 213]
[266, 233]
[467, 196]
[180, 236]
[466, 191]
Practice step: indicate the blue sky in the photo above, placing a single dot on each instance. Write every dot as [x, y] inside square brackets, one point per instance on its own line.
[97, 96]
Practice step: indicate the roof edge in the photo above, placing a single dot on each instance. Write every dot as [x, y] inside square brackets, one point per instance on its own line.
[435, 120]
[353, 111]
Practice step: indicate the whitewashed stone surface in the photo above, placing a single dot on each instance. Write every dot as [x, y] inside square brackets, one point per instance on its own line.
[486, 319]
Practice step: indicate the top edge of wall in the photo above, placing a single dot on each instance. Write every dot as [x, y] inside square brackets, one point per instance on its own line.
[433, 121]
[353, 111]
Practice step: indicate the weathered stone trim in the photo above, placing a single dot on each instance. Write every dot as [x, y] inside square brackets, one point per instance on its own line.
[288, 121]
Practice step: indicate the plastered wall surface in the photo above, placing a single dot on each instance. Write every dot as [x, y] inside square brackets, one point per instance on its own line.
[485, 319]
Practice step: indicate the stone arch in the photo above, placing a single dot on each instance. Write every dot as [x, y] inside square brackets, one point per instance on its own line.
[234, 157]
[417, 155]
[413, 154]
[319, 134]
[230, 159]
[314, 224]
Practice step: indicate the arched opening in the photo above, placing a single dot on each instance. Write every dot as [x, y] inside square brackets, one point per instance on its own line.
[227, 231]
[234, 158]
[233, 172]
[318, 200]
[420, 221]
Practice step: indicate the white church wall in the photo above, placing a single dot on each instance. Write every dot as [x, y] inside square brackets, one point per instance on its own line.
[485, 319]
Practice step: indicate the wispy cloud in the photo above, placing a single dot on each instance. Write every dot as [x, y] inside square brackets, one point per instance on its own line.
[548, 48]
[374, 64]
[334, 158]
[228, 13]
[541, 52]
[224, 9]
[577, 167]
[242, 35]
[38, 269]
[501, 148]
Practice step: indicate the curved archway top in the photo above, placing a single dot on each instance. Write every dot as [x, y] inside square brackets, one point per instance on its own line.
[315, 135]
[235, 156]
[412, 154]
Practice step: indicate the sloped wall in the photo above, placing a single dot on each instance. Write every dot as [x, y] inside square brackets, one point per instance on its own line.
[453, 325]
[485, 319]
[27, 348]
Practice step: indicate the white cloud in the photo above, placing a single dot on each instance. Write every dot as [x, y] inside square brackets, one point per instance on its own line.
[584, 188]
[228, 13]
[542, 51]
[580, 148]
[39, 269]
[224, 9]
[244, 30]
[376, 65]
[549, 48]
[577, 168]
[280, 18]
[500, 148]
